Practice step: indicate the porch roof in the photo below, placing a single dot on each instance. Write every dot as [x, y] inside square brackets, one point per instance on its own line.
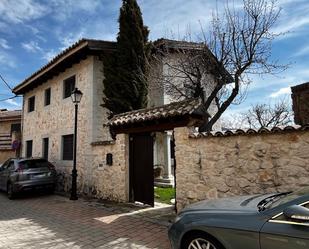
[6, 115]
[166, 117]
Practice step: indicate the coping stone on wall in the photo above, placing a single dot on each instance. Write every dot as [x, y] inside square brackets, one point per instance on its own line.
[251, 131]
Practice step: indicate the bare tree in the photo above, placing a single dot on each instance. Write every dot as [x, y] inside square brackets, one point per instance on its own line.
[267, 115]
[218, 69]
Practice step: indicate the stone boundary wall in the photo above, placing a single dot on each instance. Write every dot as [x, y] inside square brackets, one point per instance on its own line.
[212, 167]
[96, 178]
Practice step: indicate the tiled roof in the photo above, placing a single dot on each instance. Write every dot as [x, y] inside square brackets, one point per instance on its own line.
[93, 44]
[263, 130]
[186, 107]
[174, 44]
[100, 45]
[4, 115]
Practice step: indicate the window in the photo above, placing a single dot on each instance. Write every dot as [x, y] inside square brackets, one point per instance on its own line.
[31, 104]
[29, 148]
[15, 127]
[68, 86]
[45, 148]
[67, 147]
[47, 97]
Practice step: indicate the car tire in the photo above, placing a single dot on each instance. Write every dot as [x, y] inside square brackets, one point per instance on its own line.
[10, 191]
[200, 240]
[50, 191]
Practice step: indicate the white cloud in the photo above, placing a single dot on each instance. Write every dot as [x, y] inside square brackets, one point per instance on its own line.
[48, 55]
[303, 51]
[12, 102]
[71, 38]
[7, 60]
[19, 11]
[64, 9]
[293, 22]
[4, 44]
[31, 46]
[280, 92]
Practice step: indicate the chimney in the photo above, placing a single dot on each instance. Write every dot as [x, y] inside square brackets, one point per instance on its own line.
[300, 97]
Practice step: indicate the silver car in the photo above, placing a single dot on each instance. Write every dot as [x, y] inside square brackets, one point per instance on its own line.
[18, 175]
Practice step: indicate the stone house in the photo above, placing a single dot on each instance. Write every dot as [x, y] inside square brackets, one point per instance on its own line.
[10, 124]
[48, 119]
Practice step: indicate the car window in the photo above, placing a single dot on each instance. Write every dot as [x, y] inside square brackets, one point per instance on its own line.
[281, 216]
[291, 196]
[6, 164]
[34, 164]
[11, 166]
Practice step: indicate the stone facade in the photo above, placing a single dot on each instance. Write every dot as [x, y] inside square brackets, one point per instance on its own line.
[6, 154]
[162, 71]
[57, 119]
[212, 167]
[300, 97]
[7, 135]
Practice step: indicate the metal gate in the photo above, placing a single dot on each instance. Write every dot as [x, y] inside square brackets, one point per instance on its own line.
[141, 168]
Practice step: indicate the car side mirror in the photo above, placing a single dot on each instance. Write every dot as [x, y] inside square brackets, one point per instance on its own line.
[296, 212]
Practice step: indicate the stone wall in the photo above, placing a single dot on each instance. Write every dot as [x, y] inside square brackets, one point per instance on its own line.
[5, 127]
[211, 167]
[6, 140]
[57, 119]
[6, 154]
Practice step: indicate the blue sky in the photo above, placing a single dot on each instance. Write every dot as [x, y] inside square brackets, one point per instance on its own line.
[33, 31]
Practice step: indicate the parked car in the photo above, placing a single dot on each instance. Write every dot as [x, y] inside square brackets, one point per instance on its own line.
[249, 222]
[18, 175]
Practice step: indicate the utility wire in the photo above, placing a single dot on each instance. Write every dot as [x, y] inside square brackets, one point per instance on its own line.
[5, 82]
[13, 97]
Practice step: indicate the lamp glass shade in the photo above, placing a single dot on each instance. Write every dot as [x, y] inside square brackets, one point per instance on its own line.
[76, 96]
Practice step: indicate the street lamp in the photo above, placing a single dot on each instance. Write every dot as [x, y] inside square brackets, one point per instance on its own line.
[76, 97]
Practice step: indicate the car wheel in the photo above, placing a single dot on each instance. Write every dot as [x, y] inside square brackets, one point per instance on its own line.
[200, 240]
[50, 191]
[10, 191]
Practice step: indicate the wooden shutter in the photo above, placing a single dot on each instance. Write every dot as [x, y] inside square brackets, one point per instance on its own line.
[47, 96]
[69, 85]
[29, 148]
[67, 147]
[45, 147]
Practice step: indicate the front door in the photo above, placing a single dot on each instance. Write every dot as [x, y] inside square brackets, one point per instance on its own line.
[141, 168]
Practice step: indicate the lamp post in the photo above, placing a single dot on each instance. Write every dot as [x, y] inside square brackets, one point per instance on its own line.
[76, 97]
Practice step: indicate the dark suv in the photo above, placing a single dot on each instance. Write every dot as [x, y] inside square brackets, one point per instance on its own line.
[17, 175]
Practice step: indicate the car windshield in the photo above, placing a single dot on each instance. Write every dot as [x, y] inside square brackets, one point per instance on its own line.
[33, 164]
[290, 197]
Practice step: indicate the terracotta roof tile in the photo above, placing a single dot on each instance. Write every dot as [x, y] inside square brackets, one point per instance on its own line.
[186, 107]
[250, 131]
[10, 114]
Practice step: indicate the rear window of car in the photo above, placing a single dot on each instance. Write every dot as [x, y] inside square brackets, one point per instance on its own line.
[34, 164]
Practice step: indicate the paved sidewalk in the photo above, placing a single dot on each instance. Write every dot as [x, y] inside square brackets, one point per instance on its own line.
[55, 222]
